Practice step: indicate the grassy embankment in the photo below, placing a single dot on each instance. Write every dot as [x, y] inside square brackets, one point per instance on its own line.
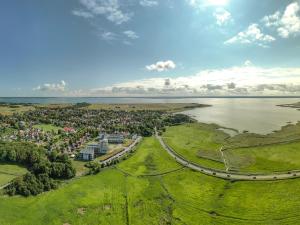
[10, 171]
[278, 151]
[123, 196]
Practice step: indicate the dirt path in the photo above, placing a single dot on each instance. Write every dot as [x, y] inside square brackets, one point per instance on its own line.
[224, 159]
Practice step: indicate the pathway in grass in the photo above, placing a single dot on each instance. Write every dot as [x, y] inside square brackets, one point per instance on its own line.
[181, 197]
[197, 142]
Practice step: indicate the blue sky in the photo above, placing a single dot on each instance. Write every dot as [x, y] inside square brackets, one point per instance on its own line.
[149, 47]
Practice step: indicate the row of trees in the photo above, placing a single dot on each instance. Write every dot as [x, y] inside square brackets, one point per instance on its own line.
[45, 170]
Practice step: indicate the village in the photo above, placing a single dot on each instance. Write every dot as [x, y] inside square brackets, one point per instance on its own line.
[84, 135]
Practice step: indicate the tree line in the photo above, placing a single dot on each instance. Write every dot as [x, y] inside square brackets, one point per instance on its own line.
[45, 169]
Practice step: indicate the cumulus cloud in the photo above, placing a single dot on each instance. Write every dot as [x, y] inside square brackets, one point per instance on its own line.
[162, 66]
[252, 35]
[148, 3]
[288, 23]
[222, 16]
[110, 9]
[200, 4]
[234, 81]
[131, 34]
[82, 13]
[248, 63]
[108, 36]
[167, 82]
[59, 87]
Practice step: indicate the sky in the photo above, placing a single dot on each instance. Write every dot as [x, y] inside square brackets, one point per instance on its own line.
[149, 48]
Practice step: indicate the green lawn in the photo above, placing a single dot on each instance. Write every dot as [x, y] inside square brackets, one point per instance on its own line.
[47, 127]
[80, 168]
[10, 171]
[280, 157]
[197, 142]
[184, 197]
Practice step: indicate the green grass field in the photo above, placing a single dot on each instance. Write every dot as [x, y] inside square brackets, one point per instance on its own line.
[122, 196]
[10, 171]
[200, 143]
[47, 127]
[197, 142]
[279, 157]
[170, 107]
[80, 168]
[9, 110]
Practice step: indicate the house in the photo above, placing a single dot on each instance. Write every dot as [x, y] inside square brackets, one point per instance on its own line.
[69, 130]
[87, 154]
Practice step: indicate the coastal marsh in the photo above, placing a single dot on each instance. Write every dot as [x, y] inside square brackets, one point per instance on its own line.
[197, 142]
[122, 196]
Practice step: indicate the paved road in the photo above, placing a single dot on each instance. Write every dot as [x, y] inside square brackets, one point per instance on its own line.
[226, 174]
[120, 154]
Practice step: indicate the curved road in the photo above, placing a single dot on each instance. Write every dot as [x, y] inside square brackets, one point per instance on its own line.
[226, 174]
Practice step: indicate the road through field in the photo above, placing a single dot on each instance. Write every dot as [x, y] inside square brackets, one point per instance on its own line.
[227, 174]
[120, 154]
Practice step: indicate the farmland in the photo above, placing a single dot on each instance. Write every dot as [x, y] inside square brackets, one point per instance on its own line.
[151, 187]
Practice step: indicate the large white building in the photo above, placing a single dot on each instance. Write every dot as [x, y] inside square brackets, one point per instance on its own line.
[94, 150]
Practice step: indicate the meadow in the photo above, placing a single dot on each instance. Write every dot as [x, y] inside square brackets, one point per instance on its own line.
[197, 142]
[170, 107]
[276, 157]
[151, 188]
[248, 153]
[11, 109]
[10, 171]
[47, 127]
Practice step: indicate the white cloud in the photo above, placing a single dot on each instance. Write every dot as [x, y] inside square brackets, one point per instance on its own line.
[222, 16]
[247, 79]
[131, 34]
[248, 63]
[162, 66]
[82, 13]
[148, 3]
[288, 23]
[272, 20]
[59, 87]
[110, 9]
[202, 4]
[252, 35]
[108, 36]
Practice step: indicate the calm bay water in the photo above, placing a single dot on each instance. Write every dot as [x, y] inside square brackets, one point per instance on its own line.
[258, 115]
